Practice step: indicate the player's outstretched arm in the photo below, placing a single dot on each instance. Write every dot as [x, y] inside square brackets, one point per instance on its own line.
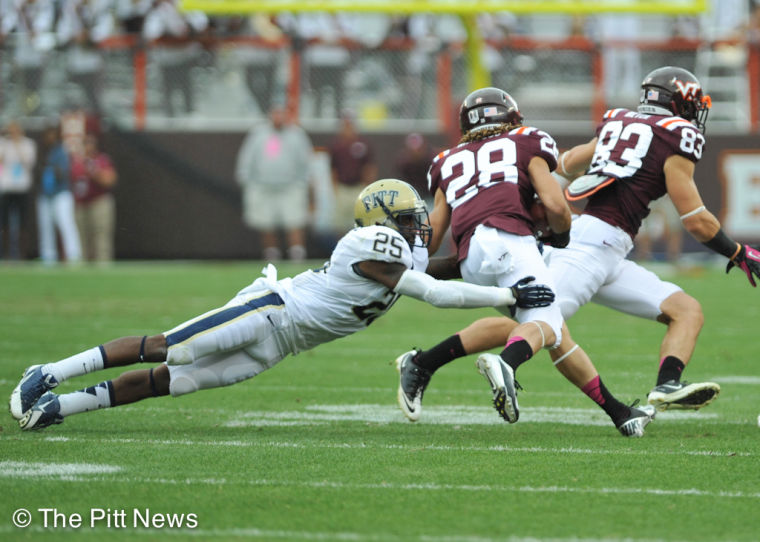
[573, 162]
[447, 294]
[701, 223]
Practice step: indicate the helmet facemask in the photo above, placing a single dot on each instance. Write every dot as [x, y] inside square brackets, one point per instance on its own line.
[397, 205]
[411, 224]
[675, 91]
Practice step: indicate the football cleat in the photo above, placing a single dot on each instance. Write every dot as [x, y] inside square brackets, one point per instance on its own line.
[682, 395]
[413, 380]
[634, 424]
[501, 377]
[46, 411]
[33, 384]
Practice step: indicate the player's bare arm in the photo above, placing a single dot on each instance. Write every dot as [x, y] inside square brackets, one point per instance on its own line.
[576, 160]
[444, 268]
[701, 223]
[679, 179]
[440, 219]
[550, 194]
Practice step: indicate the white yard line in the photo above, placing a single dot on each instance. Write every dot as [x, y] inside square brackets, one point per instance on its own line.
[399, 447]
[429, 486]
[32, 469]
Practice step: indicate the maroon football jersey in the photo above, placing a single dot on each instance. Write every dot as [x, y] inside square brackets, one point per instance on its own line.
[633, 147]
[487, 182]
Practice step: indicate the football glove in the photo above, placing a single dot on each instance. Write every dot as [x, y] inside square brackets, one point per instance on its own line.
[530, 297]
[748, 260]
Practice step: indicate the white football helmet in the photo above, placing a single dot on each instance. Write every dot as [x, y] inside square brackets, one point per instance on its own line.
[397, 205]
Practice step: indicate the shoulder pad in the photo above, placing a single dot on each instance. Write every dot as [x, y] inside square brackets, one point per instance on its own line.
[674, 123]
[612, 113]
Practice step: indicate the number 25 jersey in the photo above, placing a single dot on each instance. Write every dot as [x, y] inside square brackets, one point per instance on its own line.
[335, 300]
[633, 148]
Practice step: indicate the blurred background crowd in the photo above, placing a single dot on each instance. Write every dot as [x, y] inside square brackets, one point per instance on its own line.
[356, 95]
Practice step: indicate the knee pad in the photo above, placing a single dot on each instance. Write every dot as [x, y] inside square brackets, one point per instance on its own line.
[179, 354]
[181, 385]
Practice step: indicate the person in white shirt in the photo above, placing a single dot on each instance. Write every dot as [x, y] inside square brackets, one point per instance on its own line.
[384, 257]
[18, 155]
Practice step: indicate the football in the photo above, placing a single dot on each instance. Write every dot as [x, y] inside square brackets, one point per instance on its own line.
[541, 228]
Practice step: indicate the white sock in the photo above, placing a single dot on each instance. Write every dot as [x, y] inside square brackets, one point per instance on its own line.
[93, 398]
[77, 365]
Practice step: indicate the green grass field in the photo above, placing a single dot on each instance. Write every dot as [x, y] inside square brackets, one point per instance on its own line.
[316, 449]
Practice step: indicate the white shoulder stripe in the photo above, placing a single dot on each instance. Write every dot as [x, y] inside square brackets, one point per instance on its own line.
[611, 113]
[673, 123]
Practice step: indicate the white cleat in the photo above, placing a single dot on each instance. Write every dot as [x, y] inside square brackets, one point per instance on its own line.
[501, 377]
[682, 395]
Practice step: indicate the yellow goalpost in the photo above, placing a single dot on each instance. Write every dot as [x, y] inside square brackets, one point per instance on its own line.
[471, 7]
[466, 9]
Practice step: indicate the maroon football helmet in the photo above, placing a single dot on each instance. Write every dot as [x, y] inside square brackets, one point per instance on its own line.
[674, 91]
[488, 106]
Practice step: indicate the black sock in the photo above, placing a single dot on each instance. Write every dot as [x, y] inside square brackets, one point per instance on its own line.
[599, 393]
[517, 352]
[670, 369]
[441, 354]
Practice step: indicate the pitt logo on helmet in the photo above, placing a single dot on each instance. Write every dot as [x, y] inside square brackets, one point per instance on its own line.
[379, 197]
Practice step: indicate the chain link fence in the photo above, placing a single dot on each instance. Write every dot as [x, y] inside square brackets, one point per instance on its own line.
[400, 86]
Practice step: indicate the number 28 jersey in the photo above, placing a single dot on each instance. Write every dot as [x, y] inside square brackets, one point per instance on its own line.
[487, 182]
[633, 148]
[335, 300]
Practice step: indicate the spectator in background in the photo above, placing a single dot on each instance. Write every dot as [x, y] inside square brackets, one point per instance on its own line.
[413, 162]
[352, 164]
[81, 26]
[326, 59]
[260, 62]
[621, 57]
[131, 14]
[31, 23]
[55, 202]
[179, 50]
[93, 178]
[18, 155]
[273, 169]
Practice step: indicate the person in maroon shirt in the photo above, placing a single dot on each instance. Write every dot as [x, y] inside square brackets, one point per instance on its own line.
[484, 189]
[352, 164]
[635, 158]
[93, 178]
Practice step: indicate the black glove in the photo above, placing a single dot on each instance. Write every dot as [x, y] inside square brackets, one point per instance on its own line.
[748, 260]
[558, 240]
[529, 297]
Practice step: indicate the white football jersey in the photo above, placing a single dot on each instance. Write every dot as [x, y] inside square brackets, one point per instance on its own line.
[335, 301]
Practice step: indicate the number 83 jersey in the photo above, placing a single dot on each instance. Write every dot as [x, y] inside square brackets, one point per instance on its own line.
[633, 148]
[336, 300]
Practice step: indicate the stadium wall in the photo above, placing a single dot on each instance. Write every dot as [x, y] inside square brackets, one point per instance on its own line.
[177, 197]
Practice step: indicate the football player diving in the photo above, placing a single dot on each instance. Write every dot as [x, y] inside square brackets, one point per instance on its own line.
[384, 257]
